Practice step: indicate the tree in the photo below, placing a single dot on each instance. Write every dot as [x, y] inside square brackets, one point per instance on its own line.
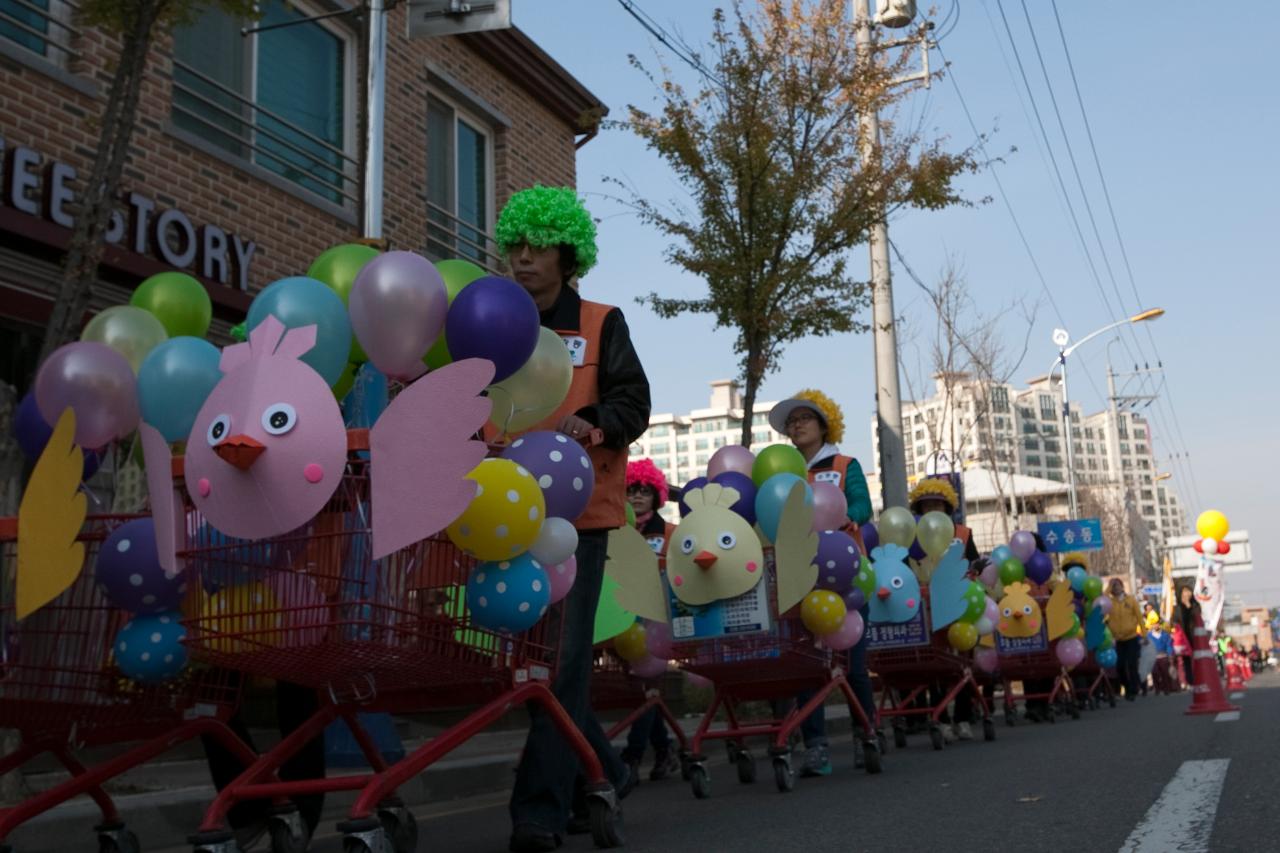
[137, 24]
[769, 151]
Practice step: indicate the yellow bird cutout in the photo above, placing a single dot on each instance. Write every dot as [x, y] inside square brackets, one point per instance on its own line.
[1059, 610]
[50, 556]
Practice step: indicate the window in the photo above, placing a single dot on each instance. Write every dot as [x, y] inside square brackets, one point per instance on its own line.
[1124, 448]
[1000, 398]
[1139, 432]
[1047, 410]
[917, 418]
[1146, 494]
[40, 26]
[659, 431]
[458, 183]
[1088, 433]
[660, 449]
[720, 441]
[1092, 447]
[760, 437]
[282, 99]
[1140, 449]
[919, 450]
[1033, 460]
[702, 444]
[1032, 443]
[701, 460]
[1051, 445]
[1122, 427]
[759, 419]
[1053, 461]
[682, 461]
[919, 435]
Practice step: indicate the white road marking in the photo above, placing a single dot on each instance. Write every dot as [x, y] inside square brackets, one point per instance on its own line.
[1237, 695]
[1182, 818]
[1227, 717]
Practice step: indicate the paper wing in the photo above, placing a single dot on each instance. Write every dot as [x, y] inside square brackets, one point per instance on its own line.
[795, 549]
[1058, 611]
[50, 555]
[948, 586]
[642, 589]
[166, 508]
[422, 450]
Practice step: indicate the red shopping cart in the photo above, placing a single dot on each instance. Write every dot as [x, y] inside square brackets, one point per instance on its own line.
[614, 688]
[1094, 685]
[392, 634]
[60, 690]
[1030, 672]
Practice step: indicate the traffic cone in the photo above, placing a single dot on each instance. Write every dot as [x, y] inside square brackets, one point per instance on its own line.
[1235, 681]
[1206, 694]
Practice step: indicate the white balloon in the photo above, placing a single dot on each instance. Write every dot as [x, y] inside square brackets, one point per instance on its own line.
[984, 626]
[1209, 546]
[556, 542]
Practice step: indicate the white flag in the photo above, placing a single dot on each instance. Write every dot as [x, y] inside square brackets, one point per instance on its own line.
[1210, 592]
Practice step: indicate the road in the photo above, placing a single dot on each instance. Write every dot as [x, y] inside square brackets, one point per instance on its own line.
[1141, 777]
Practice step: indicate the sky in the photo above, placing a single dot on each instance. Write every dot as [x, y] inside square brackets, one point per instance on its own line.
[1184, 114]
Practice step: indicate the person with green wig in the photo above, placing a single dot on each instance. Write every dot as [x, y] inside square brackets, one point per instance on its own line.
[549, 239]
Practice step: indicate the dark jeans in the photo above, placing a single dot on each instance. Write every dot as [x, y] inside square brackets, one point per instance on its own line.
[648, 729]
[1127, 653]
[543, 791]
[294, 705]
[1188, 668]
[814, 727]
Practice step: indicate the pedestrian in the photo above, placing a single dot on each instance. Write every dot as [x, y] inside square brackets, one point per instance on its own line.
[1185, 616]
[548, 238]
[1162, 678]
[1123, 622]
[815, 425]
[647, 492]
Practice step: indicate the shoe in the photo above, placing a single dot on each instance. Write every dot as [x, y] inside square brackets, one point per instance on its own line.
[531, 838]
[248, 836]
[948, 735]
[665, 763]
[579, 824]
[633, 765]
[628, 784]
[964, 731]
[817, 762]
[859, 754]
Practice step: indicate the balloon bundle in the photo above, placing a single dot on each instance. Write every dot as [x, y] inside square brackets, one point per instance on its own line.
[646, 647]
[1213, 527]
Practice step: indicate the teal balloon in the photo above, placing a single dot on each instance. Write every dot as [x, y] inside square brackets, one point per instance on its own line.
[1107, 658]
[173, 382]
[301, 301]
[772, 497]
[1077, 576]
[1000, 554]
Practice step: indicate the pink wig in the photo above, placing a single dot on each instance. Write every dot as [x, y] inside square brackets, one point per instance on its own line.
[644, 472]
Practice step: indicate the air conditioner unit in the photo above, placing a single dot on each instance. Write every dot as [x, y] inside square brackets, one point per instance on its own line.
[895, 14]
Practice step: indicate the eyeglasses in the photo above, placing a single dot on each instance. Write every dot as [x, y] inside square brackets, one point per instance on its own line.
[638, 489]
[799, 418]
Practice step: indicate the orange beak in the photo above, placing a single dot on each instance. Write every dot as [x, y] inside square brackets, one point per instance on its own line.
[883, 593]
[1018, 615]
[240, 451]
[705, 560]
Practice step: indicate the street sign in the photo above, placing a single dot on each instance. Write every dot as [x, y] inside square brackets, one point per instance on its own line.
[1152, 590]
[1083, 534]
[454, 17]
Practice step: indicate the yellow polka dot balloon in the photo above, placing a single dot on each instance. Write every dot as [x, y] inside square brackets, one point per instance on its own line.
[822, 612]
[630, 644]
[240, 618]
[506, 515]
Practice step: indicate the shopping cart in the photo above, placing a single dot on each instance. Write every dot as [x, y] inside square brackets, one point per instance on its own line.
[391, 634]
[1030, 671]
[614, 688]
[61, 691]
[908, 660]
[1094, 685]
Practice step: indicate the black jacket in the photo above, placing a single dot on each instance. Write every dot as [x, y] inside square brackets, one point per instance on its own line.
[623, 411]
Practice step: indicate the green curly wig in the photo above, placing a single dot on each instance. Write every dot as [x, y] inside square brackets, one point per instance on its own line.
[548, 216]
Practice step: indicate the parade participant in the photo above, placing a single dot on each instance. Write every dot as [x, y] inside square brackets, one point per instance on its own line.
[1162, 642]
[647, 492]
[815, 425]
[548, 238]
[1124, 623]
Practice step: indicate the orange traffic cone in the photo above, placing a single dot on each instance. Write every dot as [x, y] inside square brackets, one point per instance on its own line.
[1206, 694]
[1235, 679]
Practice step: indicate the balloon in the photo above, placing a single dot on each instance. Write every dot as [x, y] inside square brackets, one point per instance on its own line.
[731, 457]
[745, 505]
[1104, 603]
[149, 648]
[1212, 524]
[822, 612]
[301, 301]
[1223, 548]
[1106, 658]
[855, 599]
[630, 644]
[346, 381]
[561, 577]
[1022, 544]
[657, 639]
[897, 526]
[173, 382]
[848, 634]
[97, 383]
[508, 596]
[935, 530]
[629, 512]
[1197, 547]
[505, 517]
[306, 611]
[493, 318]
[1012, 571]
[556, 542]
[129, 574]
[778, 459]
[1076, 576]
[128, 330]
[991, 610]
[240, 618]
[178, 301]
[962, 636]
[1040, 567]
[1070, 652]
[337, 267]
[771, 498]
[830, 507]
[536, 390]
[989, 574]
[838, 561]
[227, 561]
[1092, 588]
[397, 306]
[975, 598]
[916, 551]
[1108, 639]
[870, 536]
[457, 274]
[561, 468]
[1076, 629]
[866, 577]
[1001, 553]
[1209, 545]
[986, 659]
[648, 667]
[32, 434]
[695, 483]
[984, 626]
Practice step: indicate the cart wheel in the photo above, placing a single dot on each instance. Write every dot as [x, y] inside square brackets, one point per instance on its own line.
[1111, 700]
[871, 757]
[935, 737]
[782, 774]
[899, 737]
[351, 844]
[1010, 717]
[606, 823]
[285, 840]
[882, 742]
[364, 835]
[700, 781]
[1074, 710]
[731, 751]
[118, 841]
[684, 764]
[746, 768]
[401, 828]
[988, 728]
[216, 841]
[1050, 714]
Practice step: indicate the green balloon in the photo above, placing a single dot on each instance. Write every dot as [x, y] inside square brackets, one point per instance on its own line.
[1076, 628]
[611, 618]
[975, 598]
[1092, 588]
[866, 578]
[1108, 639]
[337, 267]
[178, 301]
[1012, 571]
[457, 274]
[778, 459]
[631, 515]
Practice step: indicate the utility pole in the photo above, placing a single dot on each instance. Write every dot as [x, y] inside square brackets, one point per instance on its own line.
[375, 112]
[1113, 451]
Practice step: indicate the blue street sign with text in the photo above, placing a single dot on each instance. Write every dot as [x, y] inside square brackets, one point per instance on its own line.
[1083, 534]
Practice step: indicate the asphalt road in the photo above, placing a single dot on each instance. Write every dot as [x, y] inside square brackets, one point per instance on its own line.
[1142, 777]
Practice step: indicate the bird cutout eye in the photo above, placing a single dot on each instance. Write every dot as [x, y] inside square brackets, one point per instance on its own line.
[1008, 611]
[219, 429]
[896, 583]
[279, 418]
[726, 540]
[687, 544]
[1026, 608]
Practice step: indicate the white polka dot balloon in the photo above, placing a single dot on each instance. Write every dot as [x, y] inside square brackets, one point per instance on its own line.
[128, 572]
[561, 467]
[149, 648]
[509, 596]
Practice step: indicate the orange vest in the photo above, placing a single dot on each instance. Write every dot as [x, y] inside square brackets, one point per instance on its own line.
[840, 467]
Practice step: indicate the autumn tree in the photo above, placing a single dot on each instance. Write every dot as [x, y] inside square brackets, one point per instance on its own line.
[769, 150]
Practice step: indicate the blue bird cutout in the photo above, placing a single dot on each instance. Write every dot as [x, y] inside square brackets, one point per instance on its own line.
[1093, 629]
[897, 594]
[948, 586]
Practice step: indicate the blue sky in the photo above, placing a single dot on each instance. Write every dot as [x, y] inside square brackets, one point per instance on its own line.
[1185, 114]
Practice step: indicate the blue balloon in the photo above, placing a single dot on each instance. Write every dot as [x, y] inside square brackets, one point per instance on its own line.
[1077, 575]
[173, 382]
[1106, 658]
[745, 487]
[771, 498]
[496, 319]
[695, 483]
[1000, 553]
[301, 301]
[508, 596]
[149, 648]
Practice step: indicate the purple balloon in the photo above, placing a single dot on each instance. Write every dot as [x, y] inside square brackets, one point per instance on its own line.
[493, 318]
[559, 464]
[838, 561]
[658, 639]
[917, 550]
[128, 570]
[1023, 545]
[97, 383]
[397, 306]
[697, 483]
[854, 599]
[1039, 567]
[870, 536]
[746, 489]
[32, 434]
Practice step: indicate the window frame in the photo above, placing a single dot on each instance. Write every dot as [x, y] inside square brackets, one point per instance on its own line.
[476, 122]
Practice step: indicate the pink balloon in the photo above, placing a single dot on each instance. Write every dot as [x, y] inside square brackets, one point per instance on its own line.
[1070, 652]
[305, 610]
[990, 575]
[648, 667]
[657, 639]
[97, 383]
[830, 507]
[560, 578]
[397, 305]
[992, 611]
[847, 635]
[985, 659]
[731, 457]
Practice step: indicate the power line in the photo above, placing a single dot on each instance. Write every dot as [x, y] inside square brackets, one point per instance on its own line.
[688, 57]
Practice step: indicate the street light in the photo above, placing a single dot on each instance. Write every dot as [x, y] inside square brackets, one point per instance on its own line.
[1061, 338]
[1166, 475]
